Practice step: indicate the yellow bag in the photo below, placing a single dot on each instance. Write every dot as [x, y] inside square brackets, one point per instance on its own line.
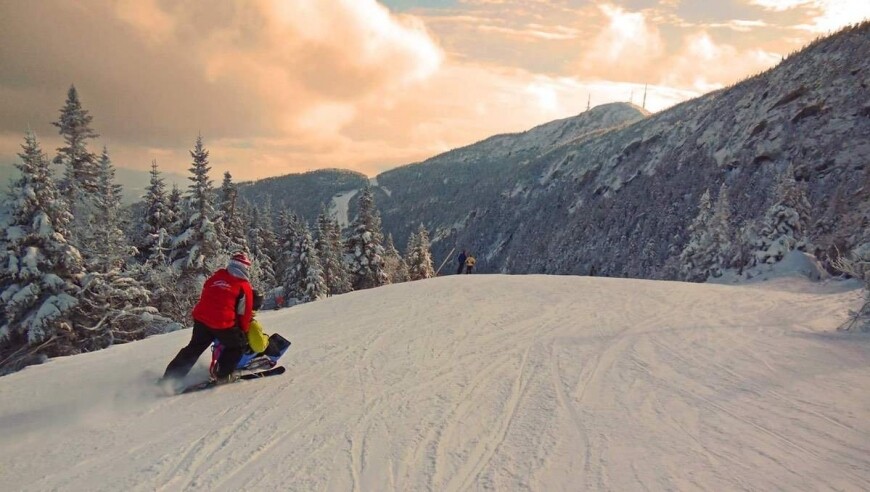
[256, 338]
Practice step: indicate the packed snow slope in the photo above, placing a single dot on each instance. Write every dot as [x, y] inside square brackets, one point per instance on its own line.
[472, 383]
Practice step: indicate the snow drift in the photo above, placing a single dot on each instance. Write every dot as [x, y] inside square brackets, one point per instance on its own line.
[476, 382]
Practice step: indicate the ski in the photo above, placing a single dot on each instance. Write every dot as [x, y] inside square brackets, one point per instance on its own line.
[244, 377]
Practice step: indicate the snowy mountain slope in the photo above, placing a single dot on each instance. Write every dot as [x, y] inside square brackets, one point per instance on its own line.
[446, 191]
[471, 383]
[305, 193]
[621, 202]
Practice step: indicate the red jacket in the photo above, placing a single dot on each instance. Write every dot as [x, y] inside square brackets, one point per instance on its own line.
[219, 304]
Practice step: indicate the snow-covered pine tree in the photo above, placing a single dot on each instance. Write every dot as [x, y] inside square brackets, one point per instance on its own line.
[329, 252]
[394, 264]
[721, 247]
[420, 264]
[80, 166]
[197, 247]
[339, 282]
[115, 307]
[196, 250]
[107, 244]
[176, 212]
[784, 226]
[151, 241]
[293, 229]
[312, 286]
[157, 274]
[262, 241]
[857, 265]
[81, 170]
[231, 227]
[745, 244]
[39, 268]
[364, 246]
[693, 258]
[281, 237]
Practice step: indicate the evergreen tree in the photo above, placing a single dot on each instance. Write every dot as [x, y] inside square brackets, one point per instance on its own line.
[175, 213]
[158, 274]
[114, 307]
[270, 246]
[39, 268]
[746, 241]
[329, 252]
[785, 224]
[694, 264]
[312, 286]
[162, 282]
[107, 243]
[232, 227]
[857, 265]
[340, 279]
[721, 247]
[157, 220]
[262, 241]
[420, 263]
[81, 172]
[293, 230]
[196, 248]
[281, 237]
[394, 264]
[364, 246]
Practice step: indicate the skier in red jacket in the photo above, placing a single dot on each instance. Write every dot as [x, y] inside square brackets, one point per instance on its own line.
[224, 312]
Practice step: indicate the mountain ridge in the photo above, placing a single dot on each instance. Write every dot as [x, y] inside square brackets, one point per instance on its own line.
[620, 202]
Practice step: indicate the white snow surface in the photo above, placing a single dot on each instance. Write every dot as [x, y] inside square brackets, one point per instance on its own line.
[476, 382]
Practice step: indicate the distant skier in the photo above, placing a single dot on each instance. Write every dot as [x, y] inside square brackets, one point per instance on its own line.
[461, 262]
[469, 263]
[224, 312]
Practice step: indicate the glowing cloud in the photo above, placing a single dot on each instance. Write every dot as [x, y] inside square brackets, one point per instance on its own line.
[624, 47]
[822, 15]
[279, 86]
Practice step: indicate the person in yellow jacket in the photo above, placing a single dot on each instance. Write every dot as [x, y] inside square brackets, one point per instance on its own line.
[469, 263]
[257, 340]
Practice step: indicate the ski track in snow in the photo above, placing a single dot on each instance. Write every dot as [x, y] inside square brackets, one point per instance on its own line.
[481, 382]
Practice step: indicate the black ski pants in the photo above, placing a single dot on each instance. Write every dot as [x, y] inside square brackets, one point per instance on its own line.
[232, 339]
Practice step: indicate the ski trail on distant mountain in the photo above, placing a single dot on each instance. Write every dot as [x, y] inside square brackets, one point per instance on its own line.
[338, 207]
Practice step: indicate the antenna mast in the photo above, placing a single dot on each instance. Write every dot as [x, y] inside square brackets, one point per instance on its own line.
[644, 95]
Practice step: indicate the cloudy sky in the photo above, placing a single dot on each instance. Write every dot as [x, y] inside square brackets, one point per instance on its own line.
[281, 86]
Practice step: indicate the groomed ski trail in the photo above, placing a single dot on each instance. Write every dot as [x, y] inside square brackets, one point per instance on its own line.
[476, 382]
